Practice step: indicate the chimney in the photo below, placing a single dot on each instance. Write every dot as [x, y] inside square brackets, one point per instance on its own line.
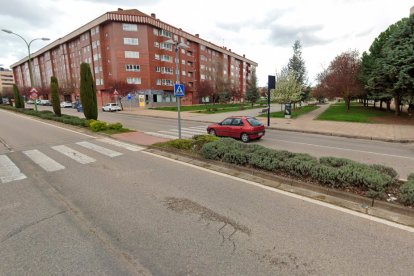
[244, 55]
[153, 15]
[229, 50]
[119, 9]
[197, 35]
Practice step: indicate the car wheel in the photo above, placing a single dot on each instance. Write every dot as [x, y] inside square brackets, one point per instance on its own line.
[244, 137]
[212, 132]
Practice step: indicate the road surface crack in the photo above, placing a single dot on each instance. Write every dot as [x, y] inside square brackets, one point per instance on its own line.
[183, 205]
[26, 226]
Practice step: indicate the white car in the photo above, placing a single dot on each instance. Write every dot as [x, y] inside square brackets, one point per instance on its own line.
[66, 104]
[111, 107]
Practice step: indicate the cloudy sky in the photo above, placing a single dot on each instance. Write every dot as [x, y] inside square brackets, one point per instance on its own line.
[264, 30]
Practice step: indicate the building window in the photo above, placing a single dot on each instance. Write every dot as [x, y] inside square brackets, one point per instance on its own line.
[183, 62]
[202, 76]
[167, 82]
[156, 45]
[132, 67]
[202, 47]
[166, 70]
[157, 57]
[166, 58]
[134, 80]
[130, 41]
[165, 33]
[158, 82]
[155, 31]
[183, 73]
[157, 69]
[130, 27]
[166, 46]
[131, 54]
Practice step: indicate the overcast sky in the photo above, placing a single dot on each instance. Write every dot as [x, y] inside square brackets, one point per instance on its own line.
[264, 30]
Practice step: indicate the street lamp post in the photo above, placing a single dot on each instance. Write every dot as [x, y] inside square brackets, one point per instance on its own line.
[177, 80]
[29, 57]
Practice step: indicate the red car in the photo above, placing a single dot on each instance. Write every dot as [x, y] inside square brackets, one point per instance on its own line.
[241, 127]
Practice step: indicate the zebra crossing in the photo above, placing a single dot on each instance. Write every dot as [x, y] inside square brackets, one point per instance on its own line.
[186, 132]
[9, 171]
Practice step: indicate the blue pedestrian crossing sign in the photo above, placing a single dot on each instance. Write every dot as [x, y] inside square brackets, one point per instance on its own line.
[179, 90]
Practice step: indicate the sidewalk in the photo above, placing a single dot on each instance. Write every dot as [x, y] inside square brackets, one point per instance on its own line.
[305, 123]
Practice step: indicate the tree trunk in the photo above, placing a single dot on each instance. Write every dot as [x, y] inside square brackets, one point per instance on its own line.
[375, 104]
[389, 106]
[397, 105]
[381, 101]
[347, 103]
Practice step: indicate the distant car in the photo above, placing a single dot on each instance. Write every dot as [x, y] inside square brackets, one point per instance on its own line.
[79, 107]
[45, 102]
[245, 128]
[5, 100]
[111, 107]
[30, 102]
[66, 104]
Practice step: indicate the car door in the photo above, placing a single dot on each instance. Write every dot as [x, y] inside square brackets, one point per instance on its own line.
[224, 129]
[236, 128]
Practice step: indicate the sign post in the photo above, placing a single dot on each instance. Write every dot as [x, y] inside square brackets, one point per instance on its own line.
[271, 84]
[130, 101]
[179, 93]
[34, 95]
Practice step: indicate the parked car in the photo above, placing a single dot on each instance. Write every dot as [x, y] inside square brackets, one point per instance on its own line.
[79, 107]
[30, 102]
[5, 100]
[45, 102]
[245, 128]
[111, 107]
[66, 104]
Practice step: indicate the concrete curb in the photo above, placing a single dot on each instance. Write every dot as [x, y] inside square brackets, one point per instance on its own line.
[388, 211]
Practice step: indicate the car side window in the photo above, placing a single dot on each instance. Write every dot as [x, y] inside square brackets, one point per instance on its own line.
[237, 122]
[227, 122]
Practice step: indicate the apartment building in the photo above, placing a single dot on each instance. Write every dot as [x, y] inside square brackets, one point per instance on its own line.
[130, 46]
[6, 80]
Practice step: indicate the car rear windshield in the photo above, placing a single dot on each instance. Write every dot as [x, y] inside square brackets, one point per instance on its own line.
[253, 122]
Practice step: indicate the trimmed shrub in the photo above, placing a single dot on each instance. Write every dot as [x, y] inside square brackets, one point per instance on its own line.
[407, 191]
[96, 126]
[185, 144]
[325, 175]
[115, 126]
[300, 166]
[88, 92]
[54, 87]
[200, 140]
[335, 161]
[216, 150]
[385, 170]
[236, 156]
[17, 98]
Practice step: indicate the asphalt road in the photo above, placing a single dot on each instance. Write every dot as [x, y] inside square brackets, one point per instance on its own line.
[396, 155]
[137, 213]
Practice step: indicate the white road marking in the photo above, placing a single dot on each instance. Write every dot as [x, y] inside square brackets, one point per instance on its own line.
[120, 144]
[161, 135]
[175, 134]
[99, 149]
[204, 128]
[183, 131]
[73, 154]
[195, 130]
[44, 161]
[344, 149]
[310, 200]
[9, 171]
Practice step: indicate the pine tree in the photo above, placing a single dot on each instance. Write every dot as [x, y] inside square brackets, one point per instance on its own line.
[252, 93]
[54, 87]
[297, 66]
[88, 92]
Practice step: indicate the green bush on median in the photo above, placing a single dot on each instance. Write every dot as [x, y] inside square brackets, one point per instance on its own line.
[329, 171]
[407, 191]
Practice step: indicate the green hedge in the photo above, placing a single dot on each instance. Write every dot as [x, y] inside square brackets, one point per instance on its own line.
[407, 191]
[330, 171]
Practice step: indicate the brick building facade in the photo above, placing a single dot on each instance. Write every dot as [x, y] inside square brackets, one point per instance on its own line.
[129, 46]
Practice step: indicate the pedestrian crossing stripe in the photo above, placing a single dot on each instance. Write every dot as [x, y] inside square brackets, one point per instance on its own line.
[73, 154]
[44, 161]
[99, 149]
[9, 171]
